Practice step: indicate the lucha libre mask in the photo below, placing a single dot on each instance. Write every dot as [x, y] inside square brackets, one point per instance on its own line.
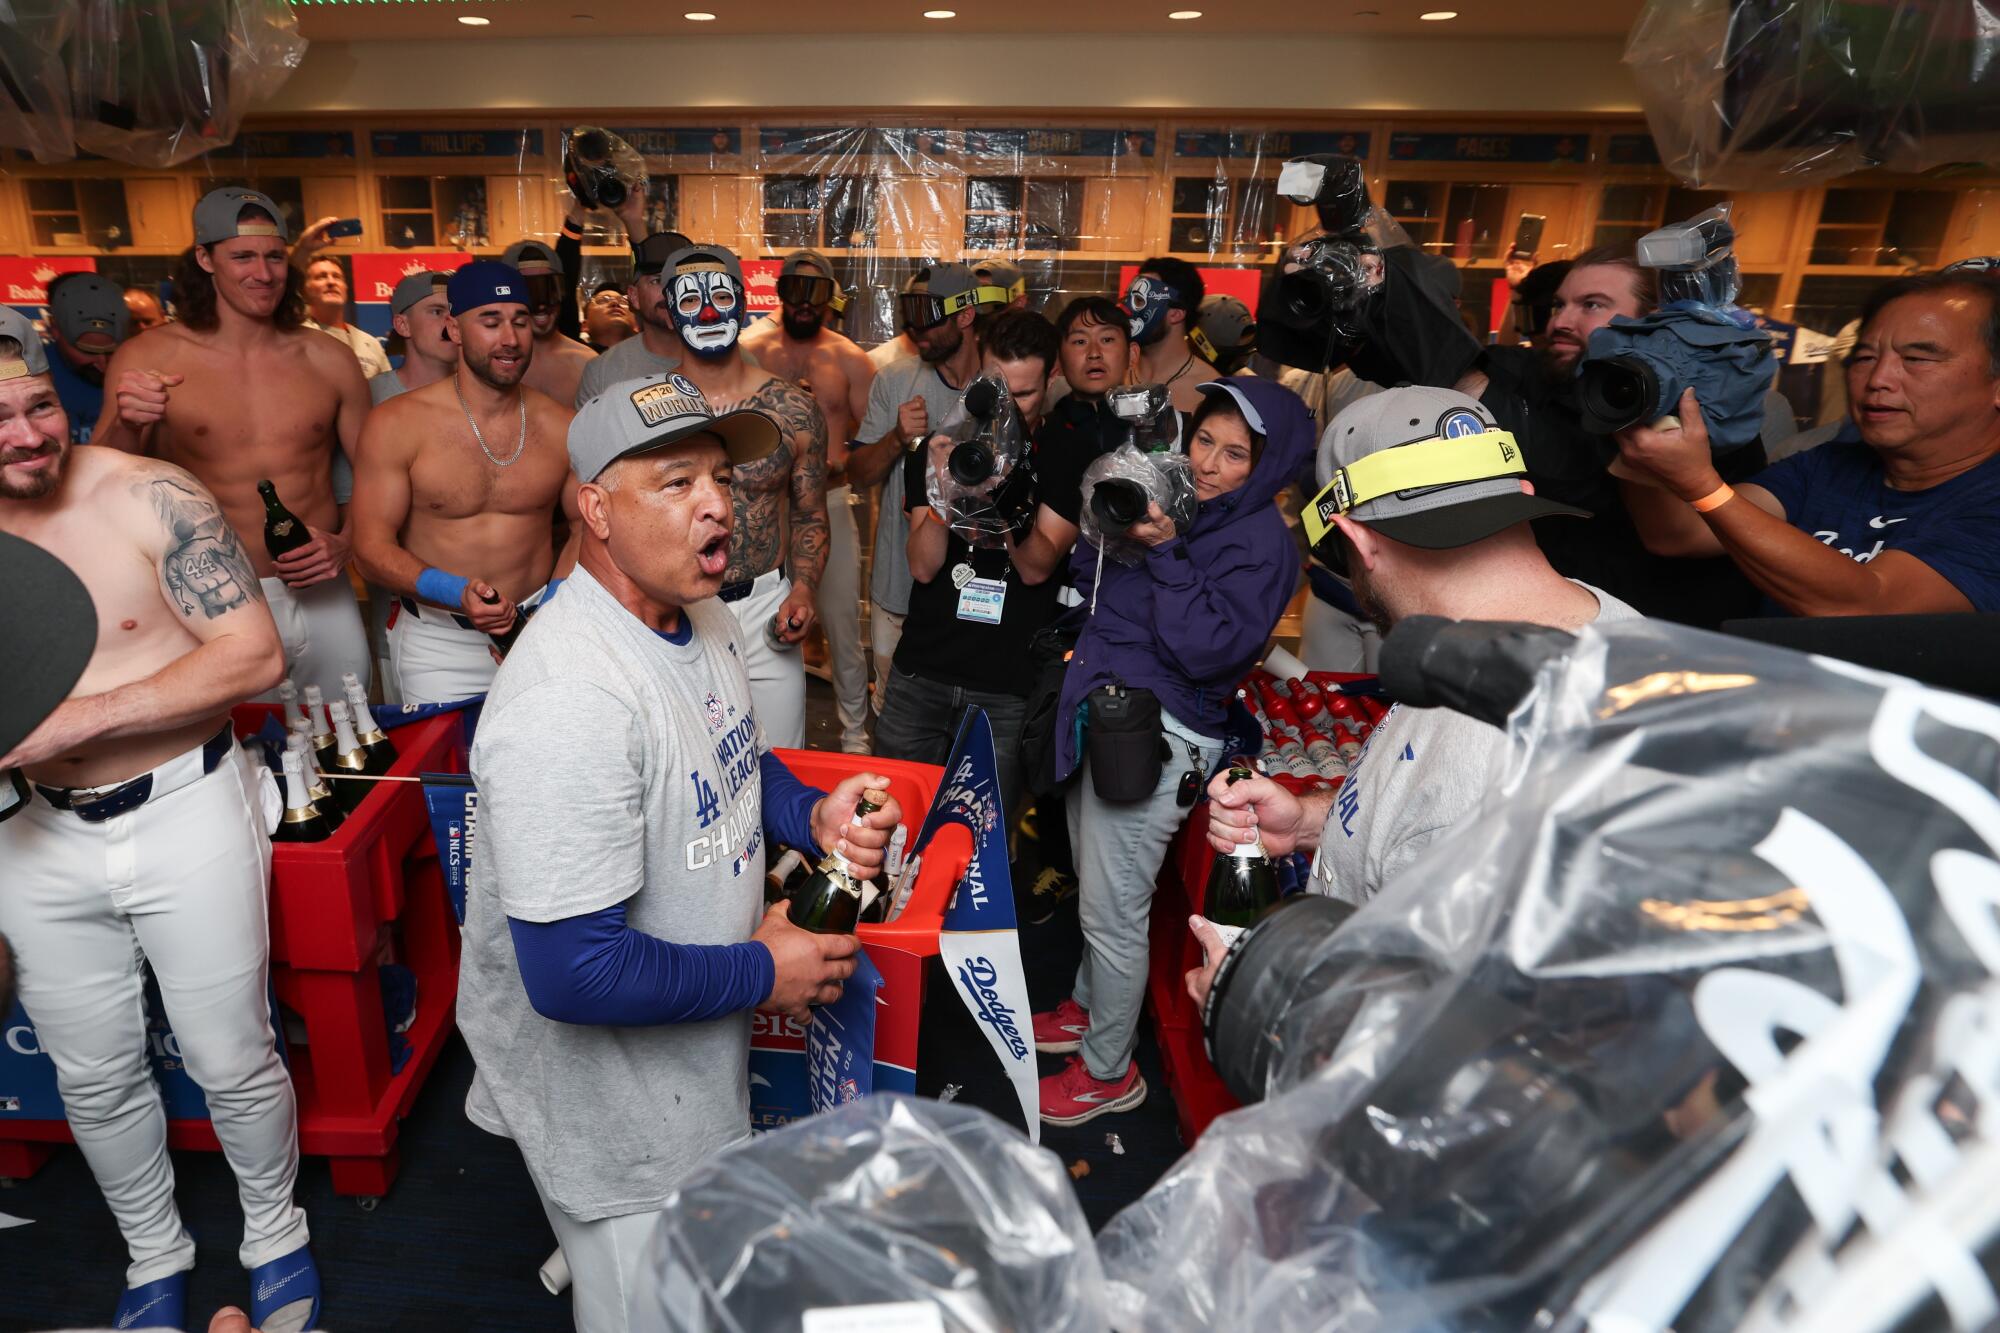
[1147, 301]
[708, 311]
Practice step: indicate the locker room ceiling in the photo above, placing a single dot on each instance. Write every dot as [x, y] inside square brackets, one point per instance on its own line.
[406, 20]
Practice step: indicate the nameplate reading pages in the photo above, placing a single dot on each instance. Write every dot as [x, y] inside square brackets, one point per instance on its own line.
[979, 941]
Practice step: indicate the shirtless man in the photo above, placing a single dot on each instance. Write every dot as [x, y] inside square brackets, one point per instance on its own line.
[657, 350]
[421, 314]
[799, 347]
[705, 289]
[1164, 302]
[237, 391]
[145, 833]
[454, 495]
[559, 360]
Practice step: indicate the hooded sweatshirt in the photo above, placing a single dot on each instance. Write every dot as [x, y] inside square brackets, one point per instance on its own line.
[1190, 619]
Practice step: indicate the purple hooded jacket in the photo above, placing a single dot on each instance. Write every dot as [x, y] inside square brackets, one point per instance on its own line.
[1194, 616]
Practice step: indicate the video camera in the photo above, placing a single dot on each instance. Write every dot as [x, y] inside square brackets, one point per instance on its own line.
[1145, 468]
[1699, 338]
[601, 169]
[989, 488]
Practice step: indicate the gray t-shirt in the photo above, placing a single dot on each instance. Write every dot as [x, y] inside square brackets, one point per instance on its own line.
[383, 387]
[1422, 771]
[629, 360]
[889, 575]
[612, 767]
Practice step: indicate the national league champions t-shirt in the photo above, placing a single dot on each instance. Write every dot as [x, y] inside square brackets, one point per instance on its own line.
[1838, 493]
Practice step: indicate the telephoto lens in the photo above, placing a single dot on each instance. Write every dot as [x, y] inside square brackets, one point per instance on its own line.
[1118, 503]
[1619, 391]
[1270, 965]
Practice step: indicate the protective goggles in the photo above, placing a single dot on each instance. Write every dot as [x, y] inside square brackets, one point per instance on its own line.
[1488, 456]
[921, 310]
[811, 289]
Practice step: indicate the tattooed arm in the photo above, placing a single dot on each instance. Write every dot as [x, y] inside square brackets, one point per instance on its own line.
[802, 421]
[800, 465]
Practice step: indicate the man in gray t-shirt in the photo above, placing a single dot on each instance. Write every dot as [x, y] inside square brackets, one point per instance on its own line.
[658, 347]
[612, 946]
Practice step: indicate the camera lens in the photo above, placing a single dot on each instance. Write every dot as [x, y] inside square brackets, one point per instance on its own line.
[1616, 391]
[971, 463]
[1258, 982]
[1117, 503]
[610, 190]
[1306, 297]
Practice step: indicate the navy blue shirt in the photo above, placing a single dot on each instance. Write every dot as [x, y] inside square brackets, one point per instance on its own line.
[1838, 493]
[82, 401]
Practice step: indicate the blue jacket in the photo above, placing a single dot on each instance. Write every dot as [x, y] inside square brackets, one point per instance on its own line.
[1193, 617]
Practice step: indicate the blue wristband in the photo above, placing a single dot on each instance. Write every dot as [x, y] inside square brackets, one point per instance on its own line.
[434, 585]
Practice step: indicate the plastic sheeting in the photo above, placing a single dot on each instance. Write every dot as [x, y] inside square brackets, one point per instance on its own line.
[1762, 94]
[883, 1201]
[35, 114]
[1692, 1026]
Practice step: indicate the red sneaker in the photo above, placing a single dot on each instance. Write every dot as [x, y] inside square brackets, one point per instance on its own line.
[1076, 1095]
[1060, 1030]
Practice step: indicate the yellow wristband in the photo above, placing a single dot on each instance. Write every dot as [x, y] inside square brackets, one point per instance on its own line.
[1715, 499]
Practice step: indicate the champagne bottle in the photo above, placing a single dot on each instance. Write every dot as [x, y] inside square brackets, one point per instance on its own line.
[785, 874]
[288, 701]
[381, 750]
[317, 787]
[322, 724]
[1242, 884]
[503, 642]
[829, 901]
[349, 759]
[284, 531]
[303, 821]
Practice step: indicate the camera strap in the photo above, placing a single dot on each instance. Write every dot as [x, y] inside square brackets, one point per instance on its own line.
[1486, 456]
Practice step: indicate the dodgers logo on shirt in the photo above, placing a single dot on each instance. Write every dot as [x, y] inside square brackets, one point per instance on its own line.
[1458, 423]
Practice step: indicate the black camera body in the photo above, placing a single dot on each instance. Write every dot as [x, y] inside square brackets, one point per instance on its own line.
[601, 169]
[1118, 504]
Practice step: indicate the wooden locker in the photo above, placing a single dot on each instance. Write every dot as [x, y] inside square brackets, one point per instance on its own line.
[338, 197]
[1114, 214]
[1975, 227]
[161, 218]
[1557, 203]
[515, 210]
[1764, 224]
[711, 208]
[922, 215]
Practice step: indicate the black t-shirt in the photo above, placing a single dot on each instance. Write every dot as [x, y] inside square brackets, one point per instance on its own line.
[939, 645]
[1071, 438]
[1568, 464]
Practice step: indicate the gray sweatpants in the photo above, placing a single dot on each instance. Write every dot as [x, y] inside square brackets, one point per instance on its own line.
[1119, 848]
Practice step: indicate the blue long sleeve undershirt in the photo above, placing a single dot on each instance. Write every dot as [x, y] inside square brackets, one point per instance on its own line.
[595, 969]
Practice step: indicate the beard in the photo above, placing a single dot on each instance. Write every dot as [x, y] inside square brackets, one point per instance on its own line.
[1152, 336]
[1365, 596]
[934, 350]
[41, 484]
[496, 377]
[804, 326]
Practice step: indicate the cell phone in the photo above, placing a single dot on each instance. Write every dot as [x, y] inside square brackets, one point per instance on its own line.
[1528, 235]
[345, 227]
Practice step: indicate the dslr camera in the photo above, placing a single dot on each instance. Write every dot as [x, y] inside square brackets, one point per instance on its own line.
[1317, 294]
[989, 488]
[1145, 468]
[601, 169]
[1698, 338]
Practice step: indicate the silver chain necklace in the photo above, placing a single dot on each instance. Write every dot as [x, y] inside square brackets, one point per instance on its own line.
[480, 436]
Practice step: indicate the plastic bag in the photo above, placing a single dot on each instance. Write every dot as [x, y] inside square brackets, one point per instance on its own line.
[989, 443]
[1118, 487]
[1687, 1023]
[35, 113]
[888, 1199]
[156, 82]
[1762, 94]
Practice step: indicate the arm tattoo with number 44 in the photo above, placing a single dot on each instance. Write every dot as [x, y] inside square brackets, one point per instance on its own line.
[204, 567]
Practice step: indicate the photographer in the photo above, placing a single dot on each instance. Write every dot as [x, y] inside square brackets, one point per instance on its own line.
[1142, 711]
[1903, 521]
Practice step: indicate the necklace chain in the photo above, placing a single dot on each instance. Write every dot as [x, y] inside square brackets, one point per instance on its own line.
[479, 435]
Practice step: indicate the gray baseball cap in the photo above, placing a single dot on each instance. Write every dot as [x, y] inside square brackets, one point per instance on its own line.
[696, 258]
[639, 416]
[34, 358]
[532, 258]
[215, 216]
[1224, 322]
[1000, 281]
[1487, 495]
[415, 287]
[88, 309]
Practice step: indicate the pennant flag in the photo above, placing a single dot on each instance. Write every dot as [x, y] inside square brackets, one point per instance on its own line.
[840, 1043]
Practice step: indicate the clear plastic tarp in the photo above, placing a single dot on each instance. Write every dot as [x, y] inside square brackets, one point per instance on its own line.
[1763, 94]
[34, 113]
[1693, 1025]
[885, 1202]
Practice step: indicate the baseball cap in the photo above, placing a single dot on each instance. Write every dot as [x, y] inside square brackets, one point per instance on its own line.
[415, 287]
[1223, 325]
[936, 294]
[651, 255]
[48, 630]
[1243, 403]
[88, 309]
[531, 259]
[709, 258]
[1427, 467]
[639, 416]
[1000, 281]
[34, 357]
[485, 282]
[215, 216]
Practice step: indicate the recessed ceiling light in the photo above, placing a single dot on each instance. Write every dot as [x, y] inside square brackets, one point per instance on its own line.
[940, 13]
[474, 20]
[1439, 15]
[699, 17]
[1185, 14]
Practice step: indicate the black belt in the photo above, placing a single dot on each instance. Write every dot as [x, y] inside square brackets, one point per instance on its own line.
[94, 805]
[736, 592]
[410, 605]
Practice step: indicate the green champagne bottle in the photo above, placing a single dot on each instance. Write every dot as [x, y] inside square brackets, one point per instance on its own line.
[785, 874]
[283, 530]
[1243, 884]
[375, 742]
[302, 822]
[829, 901]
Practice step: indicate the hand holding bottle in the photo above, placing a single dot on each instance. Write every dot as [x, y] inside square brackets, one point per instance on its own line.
[489, 610]
[322, 558]
[807, 968]
[860, 843]
[1239, 811]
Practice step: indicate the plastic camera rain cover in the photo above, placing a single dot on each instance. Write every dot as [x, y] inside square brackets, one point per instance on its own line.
[1693, 1024]
[1762, 94]
[988, 440]
[1166, 480]
[885, 1200]
[154, 84]
[35, 114]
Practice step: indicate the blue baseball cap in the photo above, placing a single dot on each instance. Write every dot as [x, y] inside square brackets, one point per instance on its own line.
[486, 282]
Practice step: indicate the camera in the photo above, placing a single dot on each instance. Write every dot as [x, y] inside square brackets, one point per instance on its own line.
[1146, 467]
[1636, 369]
[601, 169]
[988, 488]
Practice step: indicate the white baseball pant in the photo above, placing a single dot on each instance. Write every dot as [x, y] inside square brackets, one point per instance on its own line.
[777, 675]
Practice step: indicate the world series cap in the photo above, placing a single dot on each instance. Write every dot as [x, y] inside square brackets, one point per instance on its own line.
[34, 358]
[1427, 467]
[215, 216]
[709, 258]
[639, 416]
